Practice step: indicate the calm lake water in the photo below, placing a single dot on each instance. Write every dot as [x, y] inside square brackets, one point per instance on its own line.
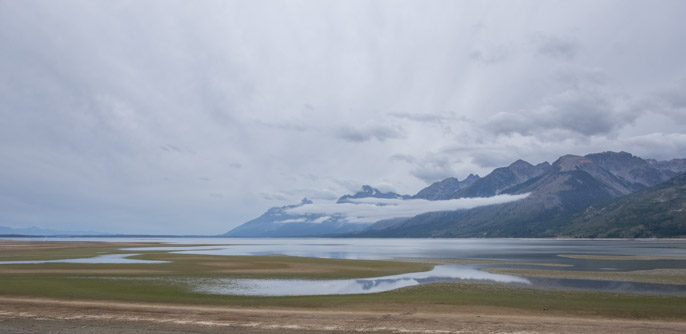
[535, 253]
[108, 258]
[510, 250]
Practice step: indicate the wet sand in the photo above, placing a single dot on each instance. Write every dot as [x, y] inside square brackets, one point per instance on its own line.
[30, 315]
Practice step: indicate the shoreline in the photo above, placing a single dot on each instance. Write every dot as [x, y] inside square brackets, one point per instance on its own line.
[152, 236]
[20, 315]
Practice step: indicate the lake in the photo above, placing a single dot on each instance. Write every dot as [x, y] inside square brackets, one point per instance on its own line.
[563, 254]
[510, 250]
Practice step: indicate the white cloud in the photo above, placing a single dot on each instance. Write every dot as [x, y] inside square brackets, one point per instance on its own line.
[368, 210]
[294, 220]
[321, 219]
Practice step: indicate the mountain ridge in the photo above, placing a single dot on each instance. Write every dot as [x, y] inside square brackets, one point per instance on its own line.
[370, 192]
[502, 178]
[555, 192]
[446, 188]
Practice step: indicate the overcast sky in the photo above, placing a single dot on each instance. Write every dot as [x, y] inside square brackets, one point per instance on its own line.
[195, 116]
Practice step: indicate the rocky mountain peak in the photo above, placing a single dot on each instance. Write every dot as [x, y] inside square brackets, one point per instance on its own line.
[613, 159]
[526, 171]
[368, 191]
[630, 168]
[570, 162]
[445, 189]
[471, 178]
[670, 167]
[520, 164]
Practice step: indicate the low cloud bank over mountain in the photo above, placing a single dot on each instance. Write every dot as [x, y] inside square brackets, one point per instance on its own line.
[369, 210]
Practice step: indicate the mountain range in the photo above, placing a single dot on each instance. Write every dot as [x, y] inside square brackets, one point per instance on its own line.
[36, 231]
[605, 194]
[280, 222]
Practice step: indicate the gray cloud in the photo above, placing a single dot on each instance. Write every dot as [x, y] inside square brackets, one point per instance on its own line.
[673, 99]
[556, 46]
[494, 158]
[429, 169]
[656, 145]
[369, 210]
[362, 134]
[403, 158]
[423, 117]
[580, 77]
[432, 172]
[275, 196]
[583, 112]
[286, 125]
[490, 56]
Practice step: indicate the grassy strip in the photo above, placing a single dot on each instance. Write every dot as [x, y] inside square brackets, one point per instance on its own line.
[621, 257]
[186, 264]
[223, 266]
[57, 253]
[666, 276]
[279, 266]
[444, 296]
[473, 261]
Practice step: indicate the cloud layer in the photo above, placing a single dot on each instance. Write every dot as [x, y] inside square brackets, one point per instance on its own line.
[194, 117]
[370, 210]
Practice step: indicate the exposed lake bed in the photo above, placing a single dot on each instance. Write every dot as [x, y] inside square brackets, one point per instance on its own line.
[659, 265]
[528, 277]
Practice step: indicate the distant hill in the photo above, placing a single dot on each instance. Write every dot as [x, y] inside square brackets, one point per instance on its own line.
[36, 231]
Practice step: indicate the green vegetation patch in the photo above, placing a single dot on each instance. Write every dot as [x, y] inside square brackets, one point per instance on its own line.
[188, 265]
[621, 257]
[57, 253]
[279, 266]
[664, 276]
[446, 296]
[474, 261]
